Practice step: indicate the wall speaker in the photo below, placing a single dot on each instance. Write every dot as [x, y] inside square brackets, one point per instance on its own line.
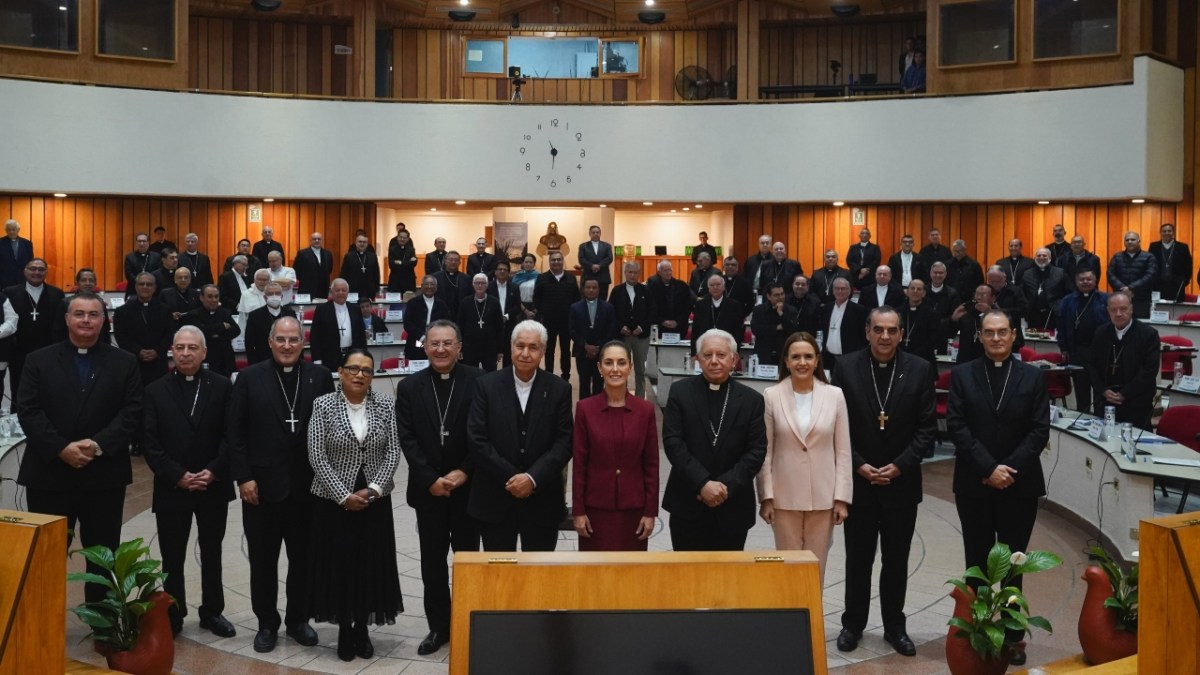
[266, 5]
[461, 15]
[516, 20]
[844, 11]
[652, 17]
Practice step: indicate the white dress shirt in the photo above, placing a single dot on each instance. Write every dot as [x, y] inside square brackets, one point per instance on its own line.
[833, 341]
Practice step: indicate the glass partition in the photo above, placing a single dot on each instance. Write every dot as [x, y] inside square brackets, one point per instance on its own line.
[542, 57]
[37, 24]
[976, 32]
[484, 57]
[1073, 28]
[143, 29]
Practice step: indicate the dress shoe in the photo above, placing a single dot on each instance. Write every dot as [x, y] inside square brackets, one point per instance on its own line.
[848, 640]
[264, 640]
[346, 641]
[303, 633]
[433, 642]
[363, 647]
[901, 643]
[176, 628]
[1016, 653]
[218, 625]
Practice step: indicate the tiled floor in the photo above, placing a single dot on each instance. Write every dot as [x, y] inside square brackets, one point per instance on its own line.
[936, 556]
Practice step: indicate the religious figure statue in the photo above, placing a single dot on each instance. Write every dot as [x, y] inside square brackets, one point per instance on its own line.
[552, 241]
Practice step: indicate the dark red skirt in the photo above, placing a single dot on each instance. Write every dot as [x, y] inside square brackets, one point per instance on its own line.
[613, 531]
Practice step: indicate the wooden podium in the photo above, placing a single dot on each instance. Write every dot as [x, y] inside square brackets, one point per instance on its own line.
[634, 582]
[33, 593]
[1169, 595]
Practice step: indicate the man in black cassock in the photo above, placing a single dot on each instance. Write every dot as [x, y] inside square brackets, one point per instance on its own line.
[142, 327]
[313, 266]
[436, 400]
[184, 441]
[771, 323]
[890, 400]
[197, 262]
[219, 328]
[1124, 364]
[998, 418]
[141, 259]
[268, 458]
[553, 294]
[420, 311]
[80, 403]
[452, 285]
[717, 311]
[258, 323]
[482, 325]
[360, 269]
[919, 321]
[336, 327]
[37, 305]
[716, 441]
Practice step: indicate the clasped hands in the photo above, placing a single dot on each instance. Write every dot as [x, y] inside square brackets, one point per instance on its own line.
[713, 494]
[195, 482]
[520, 485]
[879, 476]
[79, 454]
[1002, 477]
[357, 501]
[1114, 397]
[443, 486]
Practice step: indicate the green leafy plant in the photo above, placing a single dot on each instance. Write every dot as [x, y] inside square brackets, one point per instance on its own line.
[1125, 588]
[131, 578]
[996, 604]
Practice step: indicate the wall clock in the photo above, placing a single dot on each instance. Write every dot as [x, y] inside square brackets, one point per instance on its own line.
[553, 154]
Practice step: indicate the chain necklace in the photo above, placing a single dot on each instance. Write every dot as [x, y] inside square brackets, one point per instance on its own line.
[1082, 310]
[480, 309]
[291, 405]
[362, 261]
[1003, 389]
[883, 418]
[442, 433]
[716, 432]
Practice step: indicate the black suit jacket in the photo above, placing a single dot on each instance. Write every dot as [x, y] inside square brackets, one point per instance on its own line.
[734, 460]
[179, 303]
[965, 275]
[176, 442]
[808, 308]
[553, 298]
[418, 424]
[944, 302]
[453, 291]
[135, 333]
[670, 302]
[415, 321]
[909, 434]
[1173, 280]
[433, 261]
[739, 289]
[922, 332]
[402, 266]
[635, 314]
[201, 268]
[931, 254]
[512, 303]
[262, 248]
[12, 268]
[893, 297]
[782, 273]
[484, 263]
[262, 447]
[1138, 365]
[219, 328]
[730, 317]
[312, 276]
[366, 284]
[603, 258]
[820, 283]
[32, 335]
[486, 340]
[853, 330]
[231, 292]
[258, 328]
[56, 409]
[860, 258]
[770, 330]
[493, 436]
[1015, 271]
[135, 264]
[917, 269]
[584, 332]
[984, 438]
[324, 338]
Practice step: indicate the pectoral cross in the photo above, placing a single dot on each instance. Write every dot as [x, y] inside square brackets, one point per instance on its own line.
[341, 329]
[480, 322]
[364, 269]
[442, 434]
[1112, 370]
[883, 418]
[292, 422]
[34, 314]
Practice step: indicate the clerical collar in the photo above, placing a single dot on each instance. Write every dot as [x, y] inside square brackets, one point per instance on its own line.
[1122, 331]
[936, 289]
[999, 364]
[717, 302]
[186, 378]
[716, 386]
[559, 276]
[883, 364]
[479, 299]
[82, 351]
[592, 301]
[282, 368]
[1083, 295]
[445, 376]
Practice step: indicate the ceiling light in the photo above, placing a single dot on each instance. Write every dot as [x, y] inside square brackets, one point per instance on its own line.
[647, 203]
[839, 203]
[1139, 201]
[60, 195]
[699, 206]
[604, 206]
[649, 3]
[464, 3]
[268, 199]
[1043, 202]
[686, 209]
[433, 208]
[62, 8]
[460, 202]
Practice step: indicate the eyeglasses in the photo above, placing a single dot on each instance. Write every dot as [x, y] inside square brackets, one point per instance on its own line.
[992, 334]
[357, 370]
[441, 344]
[281, 340]
[36, 269]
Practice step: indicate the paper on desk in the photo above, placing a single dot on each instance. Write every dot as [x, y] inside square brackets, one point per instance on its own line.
[1176, 462]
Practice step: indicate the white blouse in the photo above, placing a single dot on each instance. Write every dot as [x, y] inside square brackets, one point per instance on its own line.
[804, 410]
[357, 412]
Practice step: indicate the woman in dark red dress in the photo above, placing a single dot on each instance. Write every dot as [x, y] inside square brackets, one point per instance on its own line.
[615, 467]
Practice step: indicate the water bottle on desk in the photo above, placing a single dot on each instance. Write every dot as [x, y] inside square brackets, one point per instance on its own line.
[1178, 374]
[820, 340]
[654, 333]
[1110, 421]
[752, 365]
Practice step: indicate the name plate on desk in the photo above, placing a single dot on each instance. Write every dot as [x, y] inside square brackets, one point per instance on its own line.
[1160, 316]
[393, 297]
[116, 303]
[417, 365]
[394, 315]
[670, 338]
[1096, 430]
[766, 372]
[239, 344]
[384, 338]
[303, 298]
[352, 297]
[1189, 383]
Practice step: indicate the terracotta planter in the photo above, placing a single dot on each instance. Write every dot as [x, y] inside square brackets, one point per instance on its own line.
[154, 653]
[1099, 636]
[960, 657]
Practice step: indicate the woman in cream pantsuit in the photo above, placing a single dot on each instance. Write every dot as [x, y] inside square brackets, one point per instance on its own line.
[805, 483]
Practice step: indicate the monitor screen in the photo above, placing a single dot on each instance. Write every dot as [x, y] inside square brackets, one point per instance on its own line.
[646, 642]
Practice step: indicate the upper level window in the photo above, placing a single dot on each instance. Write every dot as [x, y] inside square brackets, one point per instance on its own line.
[1068, 28]
[620, 57]
[37, 24]
[975, 32]
[136, 28]
[485, 56]
[565, 57]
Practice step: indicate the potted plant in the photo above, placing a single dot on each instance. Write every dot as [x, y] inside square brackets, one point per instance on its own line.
[130, 625]
[985, 609]
[1109, 617]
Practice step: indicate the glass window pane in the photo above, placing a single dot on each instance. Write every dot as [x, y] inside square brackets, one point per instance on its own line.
[141, 28]
[554, 57]
[383, 63]
[976, 32]
[620, 56]
[38, 24]
[485, 56]
[1064, 28]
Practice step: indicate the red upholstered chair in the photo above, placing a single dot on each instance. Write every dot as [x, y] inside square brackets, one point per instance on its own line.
[307, 334]
[1058, 384]
[943, 396]
[1170, 358]
[240, 362]
[123, 286]
[1190, 316]
[1181, 423]
[1028, 354]
[1189, 297]
[309, 312]
[390, 363]
[688, 335]
[747, 337]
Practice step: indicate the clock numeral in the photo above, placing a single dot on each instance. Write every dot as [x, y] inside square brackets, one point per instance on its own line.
[579, 166]
[582, 154]
[539, 127]
[526, 166]
[579, 137]
[527, 137]
[553, 183]
[539, 179]
[554, 123]
[522, 151]
[568, 179]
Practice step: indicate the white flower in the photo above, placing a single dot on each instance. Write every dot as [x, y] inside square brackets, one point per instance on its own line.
[1017, 558]
[1012, 600]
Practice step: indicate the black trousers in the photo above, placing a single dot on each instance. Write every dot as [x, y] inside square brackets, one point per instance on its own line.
[534, 534]
[16, 364]
[98, 514]
[1081, 382]
[590, 379]
[559, 334]
[174, 528]
[702, 534]
[891, 526]
[267, 527]
[992, 518]
[442, 527]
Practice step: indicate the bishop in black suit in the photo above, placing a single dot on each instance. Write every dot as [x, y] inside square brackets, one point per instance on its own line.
[435, 258]
[737, 287]
[921, 326]
[313, 266]
[771, 323]
[36, 318]
[519, 433]
[716, 441]
[258, 327]
[197, 262]
[508, 295]
[360, 269]
[717, 311]
[893, 294]
[143, 327]
[481, 262]
[593, 323]
[843, 324]
[452, 285]
[80, 403]
[595, 260]
[420, 311]
[671, 299]
[1174, 264]
[184, 443]
[1124, 364]
[886, 458]
[863, 258]
[635, 312]
[141, 259]
[998, 418]
[431, 419]
[482, 325]
[231, 284]
[268, 458]
[336, 327]
[219, 328]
